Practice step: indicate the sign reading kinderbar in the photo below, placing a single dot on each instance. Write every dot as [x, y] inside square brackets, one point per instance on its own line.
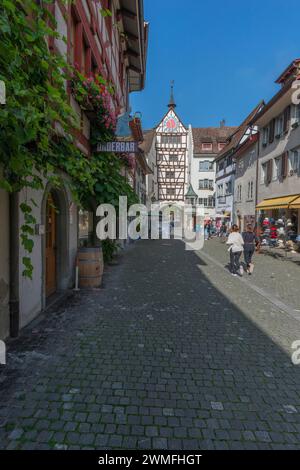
[118, 147]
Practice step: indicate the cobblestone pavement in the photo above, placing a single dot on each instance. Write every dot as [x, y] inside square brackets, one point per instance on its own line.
[173, 353]
[275, 272]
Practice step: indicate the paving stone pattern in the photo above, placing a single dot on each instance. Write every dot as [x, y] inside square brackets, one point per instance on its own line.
[173, 353]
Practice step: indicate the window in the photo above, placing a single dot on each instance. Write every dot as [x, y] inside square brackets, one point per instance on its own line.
[228, 161]
[239, 193]
[203, 202]
[86, 58]
[265, 136]
[250, 190]
[206, 184]
[211, 201]
[294, 161]
[296, 114]
[279, 126]
[263, 178]
[94, 67]
[221, 145]
[173, 158]
[221, 165]
[220, 190]
[228, 187]
[171, 140]
[207, 146]
[170, 174]
[271, 131]
[171, 191]
[278, 168]
[206, 165]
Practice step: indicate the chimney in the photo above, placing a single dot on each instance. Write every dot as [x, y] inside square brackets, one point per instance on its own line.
[222, 123]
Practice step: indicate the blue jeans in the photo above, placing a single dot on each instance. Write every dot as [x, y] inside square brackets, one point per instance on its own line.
[248, 253]
[235, 261]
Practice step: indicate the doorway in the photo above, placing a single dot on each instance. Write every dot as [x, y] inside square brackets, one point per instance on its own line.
[50, 231]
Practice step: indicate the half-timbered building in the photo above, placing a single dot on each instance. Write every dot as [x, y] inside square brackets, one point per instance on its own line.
[94, 41]
[171, 143]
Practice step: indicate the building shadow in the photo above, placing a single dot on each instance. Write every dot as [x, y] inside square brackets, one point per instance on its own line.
[160, 341]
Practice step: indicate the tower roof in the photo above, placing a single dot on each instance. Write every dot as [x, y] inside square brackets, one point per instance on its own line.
[191, 193]
[172, 103]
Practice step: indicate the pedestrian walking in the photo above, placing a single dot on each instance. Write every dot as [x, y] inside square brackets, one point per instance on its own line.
[209, 227]
[223, 231]
[236, 242]
[250, 242]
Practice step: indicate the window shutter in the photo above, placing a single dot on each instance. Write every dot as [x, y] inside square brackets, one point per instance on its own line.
[286, 119]
[272, 131]
[285, 160]
[269, 171]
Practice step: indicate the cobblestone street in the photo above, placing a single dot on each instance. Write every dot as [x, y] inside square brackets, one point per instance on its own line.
[172, 353]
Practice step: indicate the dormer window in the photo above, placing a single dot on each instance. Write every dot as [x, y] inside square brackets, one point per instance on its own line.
[207, 147]
[221, 145]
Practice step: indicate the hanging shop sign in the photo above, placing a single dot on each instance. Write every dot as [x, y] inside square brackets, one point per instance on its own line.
[123, 127]
[118, 147]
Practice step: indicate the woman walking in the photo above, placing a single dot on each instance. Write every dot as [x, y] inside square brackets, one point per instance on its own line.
[236, 242]
[250, 241]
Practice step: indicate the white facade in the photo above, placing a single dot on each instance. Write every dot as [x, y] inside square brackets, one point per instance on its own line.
[279, 160]
[245, 186]
[205, 143]
[225, 188]
[202, 178]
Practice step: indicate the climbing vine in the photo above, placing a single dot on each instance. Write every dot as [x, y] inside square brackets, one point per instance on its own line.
[37, 123]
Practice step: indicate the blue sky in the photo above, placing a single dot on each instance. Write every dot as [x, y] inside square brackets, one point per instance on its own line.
[224, 56]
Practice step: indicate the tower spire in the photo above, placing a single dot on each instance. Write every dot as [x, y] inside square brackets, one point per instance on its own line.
[172, 103]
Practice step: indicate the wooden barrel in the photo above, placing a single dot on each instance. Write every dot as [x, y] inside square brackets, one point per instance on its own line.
[90, 264]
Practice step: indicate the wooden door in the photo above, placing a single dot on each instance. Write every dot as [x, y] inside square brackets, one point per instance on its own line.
[50, 247]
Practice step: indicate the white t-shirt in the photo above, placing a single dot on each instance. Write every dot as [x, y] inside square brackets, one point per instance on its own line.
[236, 241]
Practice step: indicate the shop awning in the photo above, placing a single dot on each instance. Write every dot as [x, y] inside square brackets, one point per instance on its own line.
[295, 204]
[277, 203]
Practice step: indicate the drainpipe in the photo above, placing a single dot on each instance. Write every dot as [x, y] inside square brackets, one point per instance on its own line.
[14, 300]
[257, 174]
[233, 191]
